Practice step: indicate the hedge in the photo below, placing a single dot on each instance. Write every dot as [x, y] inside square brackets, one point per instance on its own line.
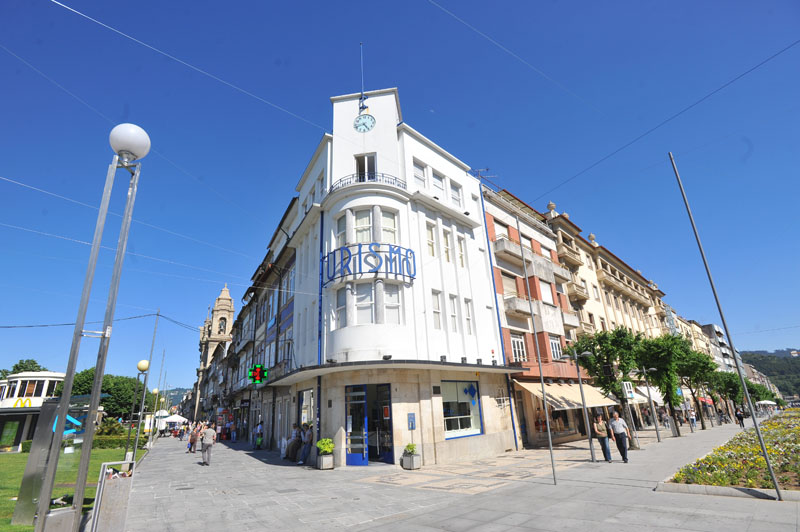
[99, 442]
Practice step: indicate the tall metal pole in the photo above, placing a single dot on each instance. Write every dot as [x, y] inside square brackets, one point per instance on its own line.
[133, 409]
[652, 407]
[144, 390]
[727, 332]
[102, 352]
[46, 492]
[154, 425]
[585, 413]
[536, 350]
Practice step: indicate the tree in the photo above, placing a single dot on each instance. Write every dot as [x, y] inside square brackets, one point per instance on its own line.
[727, 385]
[614, 356]
[662, 353]
[27, 364]
[121, 391]
[694, 369]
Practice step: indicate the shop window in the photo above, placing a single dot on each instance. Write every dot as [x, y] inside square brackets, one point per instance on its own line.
[305, 402]
[461, 408]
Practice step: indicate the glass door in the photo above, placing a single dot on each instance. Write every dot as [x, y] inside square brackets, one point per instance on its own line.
[356, 425]
[382, 423]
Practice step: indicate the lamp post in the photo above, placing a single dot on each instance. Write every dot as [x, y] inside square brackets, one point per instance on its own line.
[142, 366]
[150, 438]
[583, 401]
[644, 372]
[144, 388]
[130, 144]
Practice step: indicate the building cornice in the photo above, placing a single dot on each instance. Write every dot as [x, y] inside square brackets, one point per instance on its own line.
[405, 128]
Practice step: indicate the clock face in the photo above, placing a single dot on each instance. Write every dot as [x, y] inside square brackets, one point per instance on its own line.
[364, 123]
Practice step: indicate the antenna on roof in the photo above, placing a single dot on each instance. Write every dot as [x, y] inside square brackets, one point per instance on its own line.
[361, 105]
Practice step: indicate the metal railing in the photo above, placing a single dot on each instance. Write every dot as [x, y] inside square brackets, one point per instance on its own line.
[368, 177]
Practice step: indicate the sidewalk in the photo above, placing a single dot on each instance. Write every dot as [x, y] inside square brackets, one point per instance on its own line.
[255, 490]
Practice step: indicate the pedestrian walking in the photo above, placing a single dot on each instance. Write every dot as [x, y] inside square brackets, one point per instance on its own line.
[209, 437]
[193, 440]
[308, 437]
[233, 431]
[740, 417]
[693, 419]
[621, 435]
[600, 433]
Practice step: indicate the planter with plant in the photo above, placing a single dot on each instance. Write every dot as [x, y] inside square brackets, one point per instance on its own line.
[410, 459]
[325, 453]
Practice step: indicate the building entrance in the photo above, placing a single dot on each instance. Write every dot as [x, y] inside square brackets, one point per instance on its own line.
[368, 424]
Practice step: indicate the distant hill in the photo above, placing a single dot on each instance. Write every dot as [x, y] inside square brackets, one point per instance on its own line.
[175, 395]
[783, 371]
[780, 353]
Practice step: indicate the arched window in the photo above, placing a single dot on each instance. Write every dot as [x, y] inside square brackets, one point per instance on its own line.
[222, 326]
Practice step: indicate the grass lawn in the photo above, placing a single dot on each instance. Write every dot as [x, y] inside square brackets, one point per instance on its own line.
[739, 462]
[12, 467]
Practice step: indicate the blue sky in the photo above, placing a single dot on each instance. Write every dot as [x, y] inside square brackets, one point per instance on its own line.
[559, 86]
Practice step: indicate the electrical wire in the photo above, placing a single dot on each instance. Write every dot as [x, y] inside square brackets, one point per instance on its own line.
[70, 324]
[140, 222]
[668, 119]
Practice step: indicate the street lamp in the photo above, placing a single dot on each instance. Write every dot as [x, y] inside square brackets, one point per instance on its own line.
[583, 400]
[130, 144]
[146, 369]
[653, 415]
[142, 366]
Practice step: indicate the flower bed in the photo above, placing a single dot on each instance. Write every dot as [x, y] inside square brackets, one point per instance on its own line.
[739, 462]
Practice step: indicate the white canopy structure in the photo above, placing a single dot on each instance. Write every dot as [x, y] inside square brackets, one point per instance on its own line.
[176, 418]
[768, 403]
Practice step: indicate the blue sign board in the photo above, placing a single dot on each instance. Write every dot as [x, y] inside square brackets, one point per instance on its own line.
[679, 392]
[412, 421]
[386, 260]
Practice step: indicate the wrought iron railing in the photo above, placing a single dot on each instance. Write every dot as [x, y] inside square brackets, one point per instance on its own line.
[368, 177]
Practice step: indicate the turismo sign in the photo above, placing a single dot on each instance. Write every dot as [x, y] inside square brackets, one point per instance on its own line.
[358, 260]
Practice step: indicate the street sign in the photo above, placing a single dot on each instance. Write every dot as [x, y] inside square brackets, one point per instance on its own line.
[679, 391]
[627, 388]
[412, 421]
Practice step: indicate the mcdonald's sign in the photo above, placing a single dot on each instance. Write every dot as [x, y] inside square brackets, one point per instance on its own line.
[23, 402]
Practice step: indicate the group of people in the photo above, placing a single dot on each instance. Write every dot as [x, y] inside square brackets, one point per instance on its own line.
[617, 430]
[203, 433]
[299, 442]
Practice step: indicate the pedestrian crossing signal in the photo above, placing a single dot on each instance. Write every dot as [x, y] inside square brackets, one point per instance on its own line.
[257, 374]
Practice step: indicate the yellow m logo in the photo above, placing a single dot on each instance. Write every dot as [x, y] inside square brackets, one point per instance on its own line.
[23, 403]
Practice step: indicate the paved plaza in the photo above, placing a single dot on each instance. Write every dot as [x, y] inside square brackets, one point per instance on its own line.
[256, 490]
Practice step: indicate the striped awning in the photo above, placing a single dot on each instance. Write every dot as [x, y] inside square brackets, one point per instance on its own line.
[567, 396]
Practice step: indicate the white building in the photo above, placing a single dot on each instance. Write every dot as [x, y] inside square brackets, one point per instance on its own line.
[21, 398]
[394, 334]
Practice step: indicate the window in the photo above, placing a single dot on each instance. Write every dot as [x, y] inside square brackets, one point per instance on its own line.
[285, 347]
[447, 243]
[461, 246]
[271, 355]
[51, 389]
[596, 292]
[454, 314]
[547, 293]
[616, 302]
[363, 226]
[603, 324]
[500, 230]
[388, 227]
[341, 231]
[461, 408]
[546, 253]
[431, 240]
[468, 316]
[365, 167]
[555, 347]
[438, 184]
[591, 318]
[28, 390]
[419, 175]
[518, 351]
[509, 285]
[560, 288]
[287, 286]
[364, 298]
[455, 194]
[12, 389]
[391, 301]
[608, 299]
[437, 309]
[341, 308]
[589, 262]
[3, 391]
[584, 285]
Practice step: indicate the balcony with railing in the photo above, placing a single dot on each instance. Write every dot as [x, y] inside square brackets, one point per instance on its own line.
[571, 320]
[609, 280]
[586, 328]
[368, 178]
[576, 292]
[569, 255]
[516, 305]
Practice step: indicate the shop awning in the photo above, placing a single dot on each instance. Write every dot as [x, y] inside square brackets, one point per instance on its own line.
[654, 393]
[568, 396]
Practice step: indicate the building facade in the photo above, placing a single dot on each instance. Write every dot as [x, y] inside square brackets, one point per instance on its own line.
[21, 398]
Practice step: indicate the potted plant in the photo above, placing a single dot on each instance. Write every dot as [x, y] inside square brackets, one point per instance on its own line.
[325, 453]
[410, 459]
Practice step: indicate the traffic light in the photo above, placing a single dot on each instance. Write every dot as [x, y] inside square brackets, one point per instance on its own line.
[257, 374]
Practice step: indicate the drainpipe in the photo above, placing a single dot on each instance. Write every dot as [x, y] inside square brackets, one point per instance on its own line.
[497, 311]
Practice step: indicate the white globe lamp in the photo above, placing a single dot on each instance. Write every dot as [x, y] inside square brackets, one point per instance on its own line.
[130, 142]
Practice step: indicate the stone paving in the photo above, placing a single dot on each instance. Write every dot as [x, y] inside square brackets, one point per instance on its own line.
[255, 490]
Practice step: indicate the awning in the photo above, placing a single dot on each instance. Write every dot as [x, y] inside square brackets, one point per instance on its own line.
[568, 396]
[769, 403]
[654, 393]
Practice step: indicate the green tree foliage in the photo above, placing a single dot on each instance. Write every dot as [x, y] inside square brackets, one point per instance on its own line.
[694, 369]
[614, 356]
[27, 364]
[110, 427]
[120, 389]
